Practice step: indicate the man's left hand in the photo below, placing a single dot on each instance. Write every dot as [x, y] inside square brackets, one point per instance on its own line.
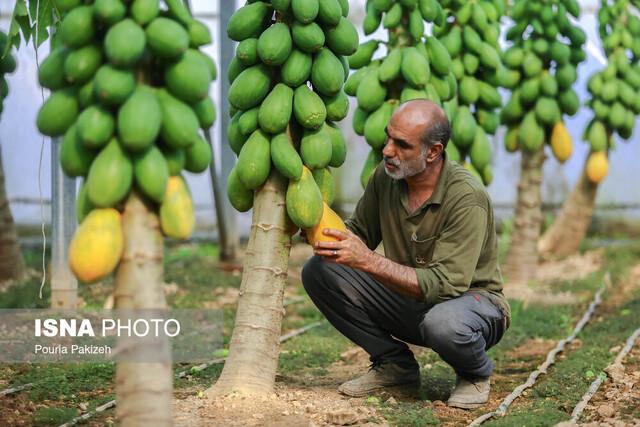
[348, 250]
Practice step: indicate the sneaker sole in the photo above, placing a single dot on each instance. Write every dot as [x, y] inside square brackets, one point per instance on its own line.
[407, 388]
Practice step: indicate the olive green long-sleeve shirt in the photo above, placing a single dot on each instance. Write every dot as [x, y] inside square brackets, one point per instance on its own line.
[450, 240]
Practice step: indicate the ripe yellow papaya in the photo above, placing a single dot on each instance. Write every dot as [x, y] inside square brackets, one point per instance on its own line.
[97, 245]
[177, 219]
[329, 219]
[597, 166]
[561, 143]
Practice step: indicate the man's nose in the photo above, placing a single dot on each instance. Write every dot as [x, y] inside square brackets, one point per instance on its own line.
[387, 150]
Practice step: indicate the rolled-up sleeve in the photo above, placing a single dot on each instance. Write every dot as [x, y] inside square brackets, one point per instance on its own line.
[455, 256]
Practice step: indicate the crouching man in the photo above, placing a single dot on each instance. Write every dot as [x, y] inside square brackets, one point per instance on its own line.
[438, 284]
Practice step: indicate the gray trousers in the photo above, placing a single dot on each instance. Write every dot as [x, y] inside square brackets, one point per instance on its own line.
[376, 318]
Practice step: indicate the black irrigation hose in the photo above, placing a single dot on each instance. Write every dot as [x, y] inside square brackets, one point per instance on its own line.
[550, 360]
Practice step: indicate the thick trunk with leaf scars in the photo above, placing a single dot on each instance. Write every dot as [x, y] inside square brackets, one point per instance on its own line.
[522, 258]
[254, 347]
[144, 390]
[569, 229]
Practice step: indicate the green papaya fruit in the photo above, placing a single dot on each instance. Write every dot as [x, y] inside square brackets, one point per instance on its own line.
[566, 75]
[471, 40]
[82, 64]
[113, 86]
[358, 120]
[179, 123]
[452, 153]
[337, 106]
[254, 161]
[281, 5]
[547, 111]
[285, 157]
[305, 11]
[95, 127]
[83, 204]
[51, 72]
[248, 121]
[275, 111]
[338, 145]
[308, 108]
[468, 91]
[175, 158]
[352, 83]
[617, 116]
[247, 52]
[531, 65]
[363, 55]
[304, 201]
[315, 148]
[58, 113]
[452, 41]
[136, 134]
[343, 38]
[409, 93]
[375, 127]
[144, 11]
[371, 21]
[416, 24]
[77, 28]
[124, 43]
[206, 112]
[372, 161]
[110, 176]
[250, 87]
[513, 57]
[488, 120]
[199, 34]
[166, 38]
[530, 133]
[569, 101]
[414, 67]
[85, 94]
[393, 17]
[464, 128]
[296, 69]
[530, 90]
[75, 158]
[489, 96]
[241, 197]
[440, 60]
[597, 136]
[390, 67]
[247, 21]
[327, 75]
[109, 11]
[235, 137]
[308, 38]
[151, 173]
[198, 156]
[188, 79]
[511, 142]
[329, 12]
[274, 44]
[324, 181]
[371, 94]
[344, 5]
[480, 152]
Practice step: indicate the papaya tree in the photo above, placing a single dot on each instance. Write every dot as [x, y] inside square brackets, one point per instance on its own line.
[413, 66]
[130, 97]
[471, 37]
[546, 50]
[12, 265]
[286, 93]
[615, 102]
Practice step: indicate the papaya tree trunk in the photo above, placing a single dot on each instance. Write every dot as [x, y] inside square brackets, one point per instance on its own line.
[522, 258]
[143, 390]
[12, 265]
[251, 366]
[568, 230]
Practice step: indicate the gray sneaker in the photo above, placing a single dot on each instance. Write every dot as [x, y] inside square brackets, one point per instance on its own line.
[381, 376]
[470, 394]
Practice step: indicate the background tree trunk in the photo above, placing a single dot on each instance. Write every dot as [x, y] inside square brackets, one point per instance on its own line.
[522, 259]
[568, 230]
[143, 390]
[12, 264]
[254, 348]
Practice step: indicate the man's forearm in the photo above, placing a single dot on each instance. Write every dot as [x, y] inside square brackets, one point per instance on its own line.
[397, 277]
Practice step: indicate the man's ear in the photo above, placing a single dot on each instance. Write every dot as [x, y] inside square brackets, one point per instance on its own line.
[434, 152]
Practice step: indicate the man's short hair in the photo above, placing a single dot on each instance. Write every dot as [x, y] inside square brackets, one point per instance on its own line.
[438, 131]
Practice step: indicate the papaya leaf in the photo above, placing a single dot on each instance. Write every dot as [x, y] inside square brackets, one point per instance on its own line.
[19, 22]
[41, 12]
